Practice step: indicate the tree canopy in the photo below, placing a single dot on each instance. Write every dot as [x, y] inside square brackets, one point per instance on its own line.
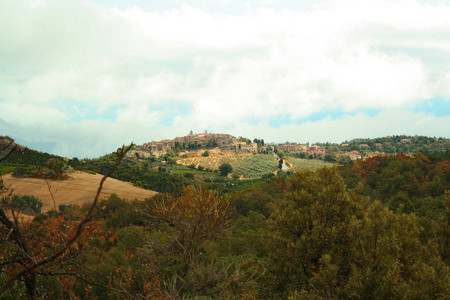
[225, 169]
[372, 229]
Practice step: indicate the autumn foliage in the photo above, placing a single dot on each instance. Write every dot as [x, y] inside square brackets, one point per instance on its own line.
[373, 229]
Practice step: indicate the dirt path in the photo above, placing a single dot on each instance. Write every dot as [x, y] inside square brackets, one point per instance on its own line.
[78, 189]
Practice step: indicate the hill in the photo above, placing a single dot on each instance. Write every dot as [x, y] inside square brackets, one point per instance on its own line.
[399, 144]
[374, 228]
[78, 189]
[22, 155]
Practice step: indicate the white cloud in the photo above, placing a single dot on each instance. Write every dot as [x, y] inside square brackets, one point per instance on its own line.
[223, 2]
[29, 114]
[139, 129]
[232, 69]
[389, 122]
[269, 2]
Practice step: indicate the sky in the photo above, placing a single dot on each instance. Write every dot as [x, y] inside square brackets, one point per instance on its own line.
[80, 78]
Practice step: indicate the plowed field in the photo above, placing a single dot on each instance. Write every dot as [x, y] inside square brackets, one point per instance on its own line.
[78, 189]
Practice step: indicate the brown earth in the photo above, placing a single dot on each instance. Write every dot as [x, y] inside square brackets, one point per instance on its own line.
[78, 189]
[214, 152]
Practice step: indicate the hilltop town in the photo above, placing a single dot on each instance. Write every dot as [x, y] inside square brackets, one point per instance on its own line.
[220, 143]
[215, 142]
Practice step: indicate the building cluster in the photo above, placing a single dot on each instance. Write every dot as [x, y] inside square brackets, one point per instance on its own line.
[220, 142]
[293, 148]
[205, 139]
[225, 142]
[316, 151]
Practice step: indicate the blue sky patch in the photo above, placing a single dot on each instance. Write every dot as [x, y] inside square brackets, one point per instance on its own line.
[335, 114]
[77, 111]
[437, 106]
[280, 120]
[170, 109]
[231, 7]
[253, 121]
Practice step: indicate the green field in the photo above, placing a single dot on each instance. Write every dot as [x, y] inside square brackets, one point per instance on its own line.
[299, 164]
[253, 166]
[7, 169]
[256, 166]
[185, 170]
[245, 184]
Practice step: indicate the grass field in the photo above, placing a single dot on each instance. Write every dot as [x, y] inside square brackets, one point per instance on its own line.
[7, 169]
[299, 164]
[249, 166]
[193, 171]
[179, 169]
[245, 184]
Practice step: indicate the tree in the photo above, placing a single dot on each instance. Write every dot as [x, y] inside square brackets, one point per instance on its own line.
[245, 140]
[329, 242]
[188, 175]
[8, 147]
[196, 217]
[280, 163]
[206, 153]
[33, 253]
[27, 204]
[386, 252]
[74, 162]
[225, 169]
[308, 231]
[330, 157]
[171, 160]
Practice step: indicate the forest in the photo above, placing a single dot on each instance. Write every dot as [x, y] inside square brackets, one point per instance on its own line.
[397, 144]
[372, 229]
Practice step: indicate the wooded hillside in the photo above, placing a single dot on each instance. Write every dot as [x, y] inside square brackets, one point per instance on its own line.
[373, 229]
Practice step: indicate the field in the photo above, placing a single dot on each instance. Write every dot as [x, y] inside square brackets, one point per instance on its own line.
[78, 189]
[7, 168]
[298, 164]
[249, 166]
[245, 184]
[181, 169]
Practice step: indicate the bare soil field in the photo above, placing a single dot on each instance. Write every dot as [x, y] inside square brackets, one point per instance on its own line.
[214, 152]
[78, 189]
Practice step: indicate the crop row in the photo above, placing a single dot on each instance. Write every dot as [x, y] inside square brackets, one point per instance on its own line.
[248, 166]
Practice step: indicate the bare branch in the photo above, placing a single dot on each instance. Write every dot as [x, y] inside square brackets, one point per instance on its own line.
[88, 217]
[49, 187]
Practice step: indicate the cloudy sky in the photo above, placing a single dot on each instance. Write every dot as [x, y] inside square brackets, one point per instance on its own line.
[82, 77]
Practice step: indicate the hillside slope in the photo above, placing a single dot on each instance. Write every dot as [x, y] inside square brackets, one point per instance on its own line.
[78, 189]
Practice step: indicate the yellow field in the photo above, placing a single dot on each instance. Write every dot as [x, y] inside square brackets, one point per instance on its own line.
[78, 189]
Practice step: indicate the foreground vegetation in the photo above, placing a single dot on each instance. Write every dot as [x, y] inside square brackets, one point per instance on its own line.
[396, 144]
[374, 229]
[7, 168]
[299, 164]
